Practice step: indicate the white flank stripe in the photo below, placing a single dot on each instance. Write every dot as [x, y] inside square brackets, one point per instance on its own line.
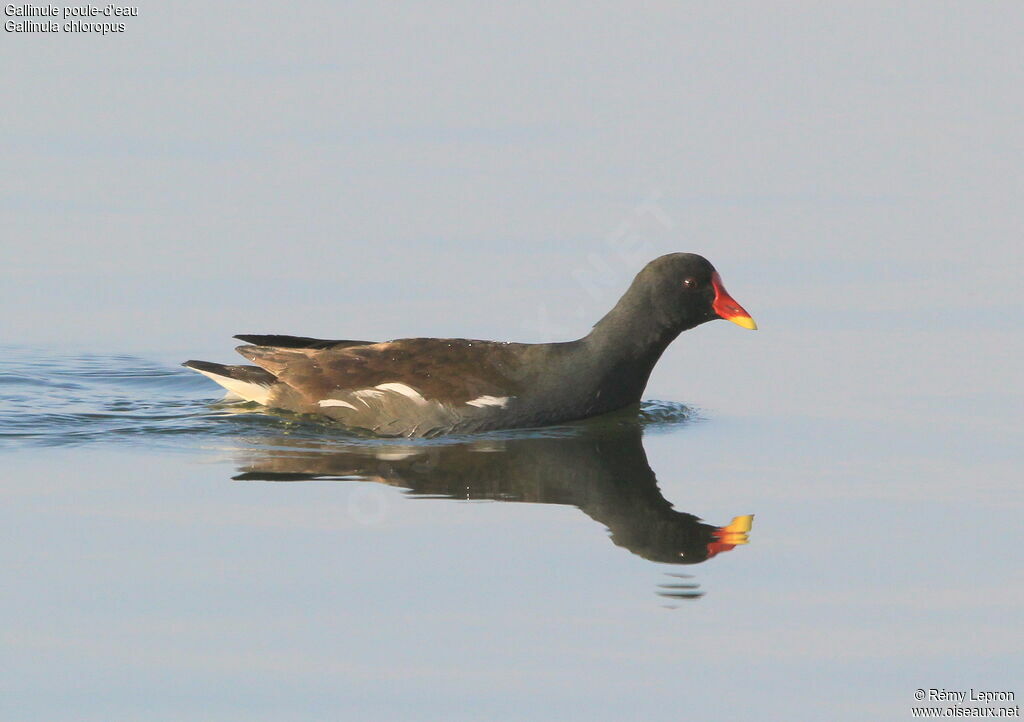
[336, 402]
[404, 390]
[364, 394]
[482, 401]
[396, 455]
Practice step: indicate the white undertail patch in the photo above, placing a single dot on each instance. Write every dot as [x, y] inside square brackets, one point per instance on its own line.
[242, 389]
[482, 401]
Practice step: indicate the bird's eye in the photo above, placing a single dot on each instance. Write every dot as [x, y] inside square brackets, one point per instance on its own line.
[689, 282]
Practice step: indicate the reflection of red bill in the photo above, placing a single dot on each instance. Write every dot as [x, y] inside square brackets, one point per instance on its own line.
[734, 535]
[726, 307]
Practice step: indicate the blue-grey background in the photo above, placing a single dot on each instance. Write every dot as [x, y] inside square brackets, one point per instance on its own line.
[380, 171]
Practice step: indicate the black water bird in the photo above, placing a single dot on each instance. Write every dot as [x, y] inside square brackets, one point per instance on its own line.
[432, 386]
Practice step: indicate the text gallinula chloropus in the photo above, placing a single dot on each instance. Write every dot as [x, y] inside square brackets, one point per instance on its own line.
[433, 386]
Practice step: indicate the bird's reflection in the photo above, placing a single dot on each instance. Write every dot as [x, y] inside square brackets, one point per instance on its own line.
[600, 468]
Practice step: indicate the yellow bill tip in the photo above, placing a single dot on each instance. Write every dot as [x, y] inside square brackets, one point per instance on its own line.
[744, 321]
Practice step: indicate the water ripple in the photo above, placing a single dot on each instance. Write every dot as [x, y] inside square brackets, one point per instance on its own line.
[57, 400]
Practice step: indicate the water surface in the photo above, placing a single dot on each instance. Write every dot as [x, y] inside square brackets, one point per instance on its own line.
[172, 553]
[501, 171]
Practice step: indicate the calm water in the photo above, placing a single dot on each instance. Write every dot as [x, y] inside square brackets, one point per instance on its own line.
[809, 522]
[172, 557]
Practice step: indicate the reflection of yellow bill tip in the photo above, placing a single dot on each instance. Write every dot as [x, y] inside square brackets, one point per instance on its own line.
[736, 533]
[735, 539]
[744, 321]
[740, 524]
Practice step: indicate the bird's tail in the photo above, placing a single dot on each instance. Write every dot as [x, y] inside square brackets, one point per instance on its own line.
[250, 383]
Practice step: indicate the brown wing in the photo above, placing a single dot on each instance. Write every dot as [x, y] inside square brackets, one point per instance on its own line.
[451, 371]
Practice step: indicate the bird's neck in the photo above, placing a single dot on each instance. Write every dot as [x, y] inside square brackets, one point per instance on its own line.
[627, 343]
